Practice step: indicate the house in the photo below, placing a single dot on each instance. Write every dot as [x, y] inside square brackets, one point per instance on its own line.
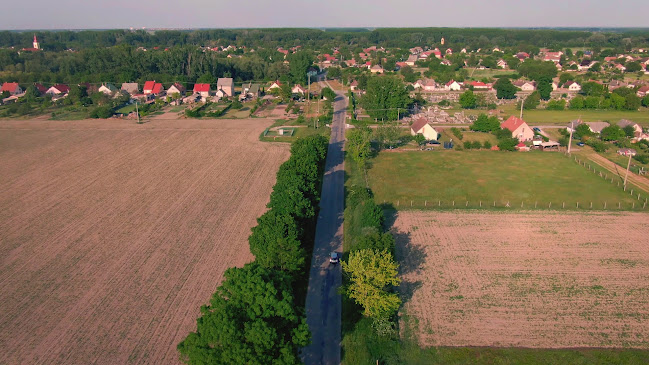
[596, 127]
[251, 90]
[176, 88]
[275, 85]
[626, 152]
[353, 85]
[426, 85]
[615, 84]
[226, 84]
[411, 60]
[525, 85]
[204, 90]
[107, 89]
[522, 55]
[351, 62]
[423, 127]
[552, 56]
[520, 130]
[298, 89]
[153, 88]
[572, 86]
[40, 88]
[58, 89]
[637, 129]
[12, 88]
[643, 91]
[453, 86]
[131, 87]
[376, 69]
[416, 50]
[478, 85]
[502, 63]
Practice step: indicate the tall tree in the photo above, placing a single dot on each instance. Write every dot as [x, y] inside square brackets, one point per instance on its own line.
[299, 63]
[358, 145]
[505, 89]
[468, 100]
[386, 98]
[275, 242]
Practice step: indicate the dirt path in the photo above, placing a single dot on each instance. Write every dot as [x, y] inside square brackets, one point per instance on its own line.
[323, 303]
[637, 180]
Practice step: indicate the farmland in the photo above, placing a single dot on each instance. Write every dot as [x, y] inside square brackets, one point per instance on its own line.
[531, 279]
[546, 178]
[114, 234]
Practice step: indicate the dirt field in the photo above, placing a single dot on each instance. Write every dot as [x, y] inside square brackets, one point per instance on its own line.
[537, 279]
[114, 234]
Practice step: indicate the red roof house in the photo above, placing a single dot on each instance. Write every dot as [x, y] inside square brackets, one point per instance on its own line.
[202, 89]
[152, 87]
[12, 88]
[520, 130]
[58, 89]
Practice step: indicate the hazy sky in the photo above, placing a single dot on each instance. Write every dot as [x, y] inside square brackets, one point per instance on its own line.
[74, 14]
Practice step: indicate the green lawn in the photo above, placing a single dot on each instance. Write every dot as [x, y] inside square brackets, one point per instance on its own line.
[126, 109]
[299, 132]
[426, 177]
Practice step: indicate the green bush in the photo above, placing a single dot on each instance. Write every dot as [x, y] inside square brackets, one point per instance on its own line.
[643, 159]
[457, 132]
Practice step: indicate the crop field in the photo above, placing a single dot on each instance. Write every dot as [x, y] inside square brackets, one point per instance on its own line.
[542, 179]
[114, 234]
[532, 280]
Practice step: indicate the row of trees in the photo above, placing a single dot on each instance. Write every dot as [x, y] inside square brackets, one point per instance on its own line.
[257, 316]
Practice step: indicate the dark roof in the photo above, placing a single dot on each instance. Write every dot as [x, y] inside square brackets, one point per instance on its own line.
[419, 124]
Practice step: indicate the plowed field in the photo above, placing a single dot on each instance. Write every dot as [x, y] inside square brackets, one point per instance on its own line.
[541, 280]
[112, 234]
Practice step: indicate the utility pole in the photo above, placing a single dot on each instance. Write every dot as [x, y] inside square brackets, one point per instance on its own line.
[522, 101]
[572, 127]
[627, 170]
[137, 113]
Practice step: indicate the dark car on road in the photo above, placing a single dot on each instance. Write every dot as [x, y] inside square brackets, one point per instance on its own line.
[334, 258]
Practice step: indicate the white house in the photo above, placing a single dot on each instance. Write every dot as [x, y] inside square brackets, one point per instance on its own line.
[226, 84]
[376, 69]
[520, 130]
[572, 86]
[525, 85]
[298, 89]
[275, 85]
[421, 126]
[107, 89]
[453, 86]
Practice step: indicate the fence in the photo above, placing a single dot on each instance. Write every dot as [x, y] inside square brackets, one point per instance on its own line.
[436, 204]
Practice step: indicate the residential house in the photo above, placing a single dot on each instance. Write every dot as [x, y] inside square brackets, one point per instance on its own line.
[416, 50]
[453, 86]
[107, 89]
[596, 127]
[637, 129]
[520, 130]
[626, 152]
[552, 56]
[479, 85]
[411, 60]
[275, 85]
[522, 56]
[153, 88]
[251, 90]
[58, 89]
[616, 84]
[351, 63]
[226, 84]
[176, 88]
[502, 63]
[12, 88]
[376, 69]
[298, 89]
[426, 85]
[353, 85]
[572, 86]
[40, 88]
[643, 91]
[131, 88]
[204, 90]
[423, 127]
[525, 85]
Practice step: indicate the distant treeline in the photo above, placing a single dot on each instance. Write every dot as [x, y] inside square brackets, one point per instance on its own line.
[316, 38]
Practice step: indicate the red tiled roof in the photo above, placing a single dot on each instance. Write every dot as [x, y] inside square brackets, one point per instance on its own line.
[149, 85]
[512, 123]
[157, 88]
[62, 88]
[41, 89]
[9, 86]
[201, 88]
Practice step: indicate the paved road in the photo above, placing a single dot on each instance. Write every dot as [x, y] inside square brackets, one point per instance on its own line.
[323, 303]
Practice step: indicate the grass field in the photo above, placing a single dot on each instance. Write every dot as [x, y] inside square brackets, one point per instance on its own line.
[126, 109]
[488, 176]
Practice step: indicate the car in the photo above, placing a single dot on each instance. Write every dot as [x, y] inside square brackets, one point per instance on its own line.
[334, 258]
[581, 144]
[433, 142]
[537, 129]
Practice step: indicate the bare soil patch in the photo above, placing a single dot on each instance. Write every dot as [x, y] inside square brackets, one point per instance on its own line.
[114, 234]
[533, 279]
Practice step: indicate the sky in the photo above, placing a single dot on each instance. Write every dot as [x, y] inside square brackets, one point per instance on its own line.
[119, 14]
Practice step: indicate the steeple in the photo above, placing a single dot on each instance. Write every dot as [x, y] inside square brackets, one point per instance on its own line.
[36, 45]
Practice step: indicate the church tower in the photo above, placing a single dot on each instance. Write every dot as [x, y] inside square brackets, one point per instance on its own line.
[441, 42]
[36, 45]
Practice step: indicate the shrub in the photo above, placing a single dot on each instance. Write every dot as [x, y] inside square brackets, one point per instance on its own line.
[487, 145]
[457, 132]
[643, 159]
[468, 145]
[476, 145]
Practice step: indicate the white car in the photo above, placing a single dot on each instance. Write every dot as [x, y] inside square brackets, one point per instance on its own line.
[334, 258]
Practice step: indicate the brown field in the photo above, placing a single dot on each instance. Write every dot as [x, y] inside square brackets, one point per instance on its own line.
[114, 234]
[534, 279]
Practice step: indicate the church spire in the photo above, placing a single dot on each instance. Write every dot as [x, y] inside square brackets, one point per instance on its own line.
[36, 45]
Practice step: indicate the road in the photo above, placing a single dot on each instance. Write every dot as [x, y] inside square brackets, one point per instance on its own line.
[323, 303]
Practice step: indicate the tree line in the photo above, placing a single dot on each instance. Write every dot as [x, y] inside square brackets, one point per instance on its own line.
[256, 316]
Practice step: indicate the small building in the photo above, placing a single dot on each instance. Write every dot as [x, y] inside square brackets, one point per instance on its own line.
[525, 85]
[226, 84]
[107, 89]
[376, 69]
[40, 88]
[572, 86]
[520, 130]
[626, 152]
[522, 147]
[251, 90]
[275, 85]
[453, 86]
[12, 88]
[153, 88]
[637, 129]
[58, 89]
[596, 127]
[131, 87]
[204, 90]
[353, 85]
[298, 89]
[423, 127]
[176, 88]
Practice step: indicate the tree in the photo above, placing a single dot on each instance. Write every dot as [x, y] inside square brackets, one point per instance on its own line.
[206, 78]
[629, 131]
[565, 77]
[386, 98]
[299, 63]
[420, 139]
[577, 103]
[556, 105]
[612, 133]
[485, 124]
[532, 101]
[334, 72]
[645, 101]
[328, 93]
[275, 242]
[358, 145]
[468, 100]
[408, 74]
[535, 69]
[376, 241]
[632, 102]
[487, 145]
[544, 87]
[388, 134]
[582, 130]
[371, 274]
[251, 319]
[505, 89]
[633, 66]
[592, 89]
[507, 144]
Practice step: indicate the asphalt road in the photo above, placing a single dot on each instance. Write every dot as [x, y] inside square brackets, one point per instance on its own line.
[323, 303]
